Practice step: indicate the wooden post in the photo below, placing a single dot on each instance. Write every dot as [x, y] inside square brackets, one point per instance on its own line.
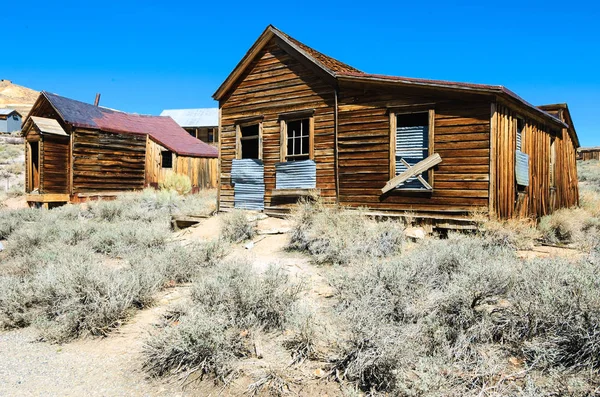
[492, 180]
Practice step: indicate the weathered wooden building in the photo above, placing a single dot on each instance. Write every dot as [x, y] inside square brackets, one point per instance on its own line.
[588, 153]
[10, 120]
[200, 123]
[75, 150]
[294, 121]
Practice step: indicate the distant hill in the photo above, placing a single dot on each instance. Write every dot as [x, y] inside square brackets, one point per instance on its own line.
[17, 97]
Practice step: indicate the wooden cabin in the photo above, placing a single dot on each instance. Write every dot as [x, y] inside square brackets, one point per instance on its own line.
[200, 123]
[295, 122]
[588, 153]
[75, 151]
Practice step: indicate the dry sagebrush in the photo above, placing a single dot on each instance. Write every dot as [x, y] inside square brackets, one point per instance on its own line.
[338, 236]
[229, 302]
[446, 318]
[236, 227]
[76, 271]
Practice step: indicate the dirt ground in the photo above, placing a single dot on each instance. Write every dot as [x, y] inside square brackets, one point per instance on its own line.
[15, 203]
[111, 366]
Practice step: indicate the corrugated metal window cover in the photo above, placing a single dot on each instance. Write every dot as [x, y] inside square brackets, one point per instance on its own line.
[522, 168]
[296, 175]
[247, 176]
[412, 145]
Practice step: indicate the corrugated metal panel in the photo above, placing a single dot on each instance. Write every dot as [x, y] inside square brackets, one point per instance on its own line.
[247, 176]
[522, 168]
[519, 140]
[296, 175]
[410, 141]
[412, 145]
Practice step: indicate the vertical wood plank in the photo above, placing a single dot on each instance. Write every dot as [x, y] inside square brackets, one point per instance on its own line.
[493, 156]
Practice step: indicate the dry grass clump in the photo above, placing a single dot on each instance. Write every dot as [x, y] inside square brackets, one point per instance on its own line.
[455, 316]
[201, 342]
[249, 298]
[574, 226]
[519, 234]
[76, 271]
[229, 302]
[170, 202]
[303, 327]
[338, 236]
[270, 382]
[589, 200]
[179, 183]
[236, 227]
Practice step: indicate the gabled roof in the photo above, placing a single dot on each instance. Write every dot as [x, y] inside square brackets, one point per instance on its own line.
[343, 72]
[48, 126]
[163, 130]
[206, 117]
[554, 110]
[8, 112]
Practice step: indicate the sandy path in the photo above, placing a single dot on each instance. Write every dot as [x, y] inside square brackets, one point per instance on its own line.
[90, 367]
[111, 366]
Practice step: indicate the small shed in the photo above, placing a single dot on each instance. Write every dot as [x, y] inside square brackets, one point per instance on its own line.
[76, 151]
[201, 123]
[588, 153]
[10, 120]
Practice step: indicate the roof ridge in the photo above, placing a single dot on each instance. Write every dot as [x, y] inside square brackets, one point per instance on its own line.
[330, 63]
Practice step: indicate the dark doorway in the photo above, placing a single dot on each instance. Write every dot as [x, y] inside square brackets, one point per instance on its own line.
[34, 151]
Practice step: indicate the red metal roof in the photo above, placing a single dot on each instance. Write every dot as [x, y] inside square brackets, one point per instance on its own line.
[163, 130]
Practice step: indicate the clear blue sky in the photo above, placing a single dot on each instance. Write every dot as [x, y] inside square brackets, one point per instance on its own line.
[147, 56]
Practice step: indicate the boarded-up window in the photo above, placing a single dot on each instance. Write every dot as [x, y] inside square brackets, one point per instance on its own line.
[166, 159]
[412, 145]
[249, 142]
[520, 134]
[521, 159]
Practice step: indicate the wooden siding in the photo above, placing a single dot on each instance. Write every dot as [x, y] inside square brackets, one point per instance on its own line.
[54, 168]
[460, 137]
[203, 172]
[105, 161]
[274, 84]
[539, 198]
[589, 155]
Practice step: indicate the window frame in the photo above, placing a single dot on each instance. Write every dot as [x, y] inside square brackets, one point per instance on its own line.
[162, 157]
[284, 139]
[411, 109]
[284, 119]
[238, 136]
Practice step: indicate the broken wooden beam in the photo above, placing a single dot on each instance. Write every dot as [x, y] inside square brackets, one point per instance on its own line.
[417, 169]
